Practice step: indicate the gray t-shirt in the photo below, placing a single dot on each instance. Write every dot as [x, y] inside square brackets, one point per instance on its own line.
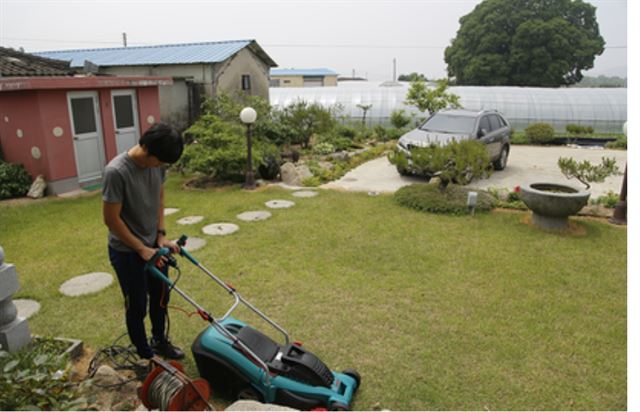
[138, 189]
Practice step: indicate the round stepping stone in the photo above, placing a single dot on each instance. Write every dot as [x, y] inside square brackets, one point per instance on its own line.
[190, 220]
[279, 204]
[220, 229]
[254, 216]
[170, 210]
[305, 193]
[89, 283]
[26, 307]
[194, 243]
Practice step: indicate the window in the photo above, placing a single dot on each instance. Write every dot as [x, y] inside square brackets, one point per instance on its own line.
[495, 122]
[84, 118]
[246, 82]
[484, 124]
[274, 82]
[445, 123]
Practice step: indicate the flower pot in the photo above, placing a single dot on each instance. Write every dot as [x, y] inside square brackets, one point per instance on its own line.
[553, 203]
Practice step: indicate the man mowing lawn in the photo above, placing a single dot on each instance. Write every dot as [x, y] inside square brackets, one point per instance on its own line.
[133, 210]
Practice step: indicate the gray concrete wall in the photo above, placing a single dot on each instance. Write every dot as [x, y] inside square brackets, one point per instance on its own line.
[228, 75]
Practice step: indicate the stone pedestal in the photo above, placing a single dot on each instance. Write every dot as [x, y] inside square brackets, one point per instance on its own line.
[14, 330]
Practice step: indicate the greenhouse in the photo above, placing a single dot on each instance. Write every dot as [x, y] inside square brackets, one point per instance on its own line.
[604, 109]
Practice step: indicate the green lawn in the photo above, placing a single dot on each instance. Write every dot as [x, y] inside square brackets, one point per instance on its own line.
[436, 312]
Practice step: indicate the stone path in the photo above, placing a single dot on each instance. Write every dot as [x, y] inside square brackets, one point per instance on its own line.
[26, 307]
[190, 220]
[220, 229]
[84, 284]
[305, 193]
[254, 216]
[279, 204]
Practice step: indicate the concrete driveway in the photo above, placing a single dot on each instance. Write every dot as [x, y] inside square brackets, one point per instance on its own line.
[527, 164]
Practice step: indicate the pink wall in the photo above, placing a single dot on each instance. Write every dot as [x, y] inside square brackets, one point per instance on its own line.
[148, 105]
[20, 131]
[36, 113]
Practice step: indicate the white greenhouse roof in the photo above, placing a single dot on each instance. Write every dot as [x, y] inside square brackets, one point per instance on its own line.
[604, 109]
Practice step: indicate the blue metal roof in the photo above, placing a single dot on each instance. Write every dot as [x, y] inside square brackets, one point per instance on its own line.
[303, 72]
[191, 53]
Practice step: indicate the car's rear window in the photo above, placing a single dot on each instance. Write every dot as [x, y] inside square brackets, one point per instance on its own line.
[446, 123]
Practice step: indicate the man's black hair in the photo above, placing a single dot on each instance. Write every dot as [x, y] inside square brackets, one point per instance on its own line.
[163, 142]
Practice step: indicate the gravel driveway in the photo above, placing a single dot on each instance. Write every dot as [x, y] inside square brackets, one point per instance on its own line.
[527, 164]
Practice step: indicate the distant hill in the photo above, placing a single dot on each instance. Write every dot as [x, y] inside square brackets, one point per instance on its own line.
[602, 81]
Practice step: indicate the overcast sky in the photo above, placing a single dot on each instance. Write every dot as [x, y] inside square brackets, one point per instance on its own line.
[364, 36]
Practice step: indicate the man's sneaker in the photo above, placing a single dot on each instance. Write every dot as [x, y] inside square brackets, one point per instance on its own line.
[165, 349]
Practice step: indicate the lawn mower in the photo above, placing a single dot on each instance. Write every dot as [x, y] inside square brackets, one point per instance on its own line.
[241, 362]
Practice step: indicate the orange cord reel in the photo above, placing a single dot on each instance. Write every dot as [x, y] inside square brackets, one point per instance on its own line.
[167, 388]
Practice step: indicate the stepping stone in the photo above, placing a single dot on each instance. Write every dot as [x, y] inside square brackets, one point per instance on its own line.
[194, 243]
[279, 204]
[170, 210]
[254, 216]
[190, 220]
[26, 307]
[85, 284]
[305, 193]
[220, 229]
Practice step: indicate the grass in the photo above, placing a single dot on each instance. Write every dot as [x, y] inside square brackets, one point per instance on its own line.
[435, 311]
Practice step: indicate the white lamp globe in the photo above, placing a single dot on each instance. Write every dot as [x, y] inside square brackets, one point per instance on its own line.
[248, 115]
[624, 128]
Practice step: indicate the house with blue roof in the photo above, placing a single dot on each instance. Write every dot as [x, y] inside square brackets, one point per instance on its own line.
[198, 70]
[303, 78]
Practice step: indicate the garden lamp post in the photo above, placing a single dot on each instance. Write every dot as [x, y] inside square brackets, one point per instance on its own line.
[620, 212]
[248, 116]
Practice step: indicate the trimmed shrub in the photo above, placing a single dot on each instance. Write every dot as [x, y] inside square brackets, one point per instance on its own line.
[453, 201]
[14, 180]
[578, 130]
[399, 119]
[620, 143]
[458, 161]
[609, 200]
[323, 148]
[539, 132]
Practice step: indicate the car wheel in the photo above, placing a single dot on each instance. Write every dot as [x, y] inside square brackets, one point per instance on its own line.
[248, 393]
[402, 170]
[501, 162]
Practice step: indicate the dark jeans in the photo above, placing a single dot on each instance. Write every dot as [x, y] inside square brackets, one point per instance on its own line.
[136, 284]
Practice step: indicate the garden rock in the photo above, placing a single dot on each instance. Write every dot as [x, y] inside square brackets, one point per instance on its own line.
[279, 204]
[170, 210]
[254, 216]
[26, 307]
[342, 156]
[37, 188]
[220, 229]
[305, 193]
[85, 284]
[325, 165]
[106, 376]
[256, 406]
[190, 220]
[294, 175]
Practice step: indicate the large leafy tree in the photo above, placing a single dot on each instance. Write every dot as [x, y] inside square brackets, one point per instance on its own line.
[544, 43]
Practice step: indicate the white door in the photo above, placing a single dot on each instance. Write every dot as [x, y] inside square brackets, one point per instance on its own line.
[125, 119]
[84, 111]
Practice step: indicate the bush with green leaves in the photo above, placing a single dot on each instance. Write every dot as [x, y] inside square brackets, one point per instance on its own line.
[539, 132]
[586, 172]
[323, 148]
[37, 377]
[609, 200]
[458, 161]
[14, 180]
[338, 142]
[430, 198]
[399, 119]
[619, 143]
[575, 129]
[307, 119]
[219, 150]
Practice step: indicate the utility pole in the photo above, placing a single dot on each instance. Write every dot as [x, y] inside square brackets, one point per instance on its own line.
[124, 39]
[394, 70]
